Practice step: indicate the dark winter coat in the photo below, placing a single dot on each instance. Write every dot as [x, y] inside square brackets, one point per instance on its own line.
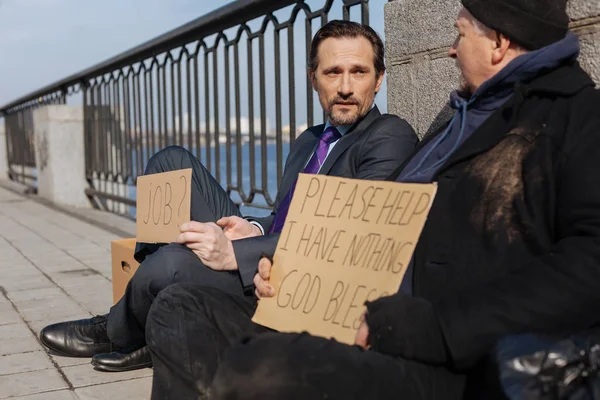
[512, 242]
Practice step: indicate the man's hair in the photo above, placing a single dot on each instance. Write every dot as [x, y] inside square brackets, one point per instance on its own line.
[347, 29]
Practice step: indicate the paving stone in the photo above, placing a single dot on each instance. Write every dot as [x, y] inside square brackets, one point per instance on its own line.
[63, 361]
[14, 331]
[16, 285]
[24, 362]
[8, 315]
[30, 383]
[36, 294]
[85, 281]
[18, 345]
[56, 395]
[85, 375]
[136, 389]
[40, 309]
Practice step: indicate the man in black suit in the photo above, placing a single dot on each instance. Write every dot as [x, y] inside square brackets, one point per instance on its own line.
[221, 249]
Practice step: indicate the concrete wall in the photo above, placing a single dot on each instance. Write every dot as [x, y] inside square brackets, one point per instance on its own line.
[420, 74]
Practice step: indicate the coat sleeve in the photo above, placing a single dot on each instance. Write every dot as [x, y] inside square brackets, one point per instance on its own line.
[391, 141]
[558, 292]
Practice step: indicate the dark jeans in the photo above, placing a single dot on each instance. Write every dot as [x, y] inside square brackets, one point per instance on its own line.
[198, 338]
[162, 265]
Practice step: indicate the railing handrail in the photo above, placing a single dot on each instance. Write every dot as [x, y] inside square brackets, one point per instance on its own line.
[228, 16]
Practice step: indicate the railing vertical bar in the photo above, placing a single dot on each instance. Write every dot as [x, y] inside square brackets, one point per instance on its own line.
[228, 171]
[197, 104]
[159, 106]
[189, 130]
[291, 83]
[217, 132]
[109, 127]
[251, 136]
[165, 131]
[263, 117]
[152, 128]
[238, 129]
[278, 122]
[180, 101]
[309, 95]
[139, 126]
[148, 147]
[173, 136]
[207, 141]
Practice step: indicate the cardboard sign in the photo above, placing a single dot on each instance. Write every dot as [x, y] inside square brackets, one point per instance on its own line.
[163, 203]
[123, 265]
[344, 242]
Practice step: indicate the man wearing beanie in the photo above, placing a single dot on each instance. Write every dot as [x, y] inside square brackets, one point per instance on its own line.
[511, 245]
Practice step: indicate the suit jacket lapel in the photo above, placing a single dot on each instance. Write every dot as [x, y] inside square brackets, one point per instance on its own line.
[297, 159]
[348, 139]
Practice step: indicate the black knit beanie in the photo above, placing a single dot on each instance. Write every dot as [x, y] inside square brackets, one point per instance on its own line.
[530, 23]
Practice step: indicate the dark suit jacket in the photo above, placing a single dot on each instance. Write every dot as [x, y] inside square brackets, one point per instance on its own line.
[373, 148]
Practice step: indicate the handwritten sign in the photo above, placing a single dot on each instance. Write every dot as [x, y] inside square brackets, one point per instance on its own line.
[163, 203]
[344, 242]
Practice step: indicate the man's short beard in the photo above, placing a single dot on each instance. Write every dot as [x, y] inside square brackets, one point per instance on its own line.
[348, 118]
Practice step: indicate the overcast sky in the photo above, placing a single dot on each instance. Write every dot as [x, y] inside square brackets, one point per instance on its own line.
[43, 41]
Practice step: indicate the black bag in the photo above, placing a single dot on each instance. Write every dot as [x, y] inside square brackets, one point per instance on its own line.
[535, 367]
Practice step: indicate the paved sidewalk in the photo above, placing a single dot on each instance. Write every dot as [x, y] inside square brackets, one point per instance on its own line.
[53, 267]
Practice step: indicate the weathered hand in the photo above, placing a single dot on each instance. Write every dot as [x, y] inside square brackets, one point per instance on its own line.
[261, 279]
[210, 244]
[238, 228]
[362, 335]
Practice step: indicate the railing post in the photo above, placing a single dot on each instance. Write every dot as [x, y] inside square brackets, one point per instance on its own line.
[3, 153]
[59, 154]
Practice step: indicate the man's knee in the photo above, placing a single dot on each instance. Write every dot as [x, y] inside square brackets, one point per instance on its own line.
[169, 158]
[163, 267]
[174, 304]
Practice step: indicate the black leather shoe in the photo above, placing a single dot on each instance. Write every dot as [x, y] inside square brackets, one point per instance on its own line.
[123, 360]
[80, 338]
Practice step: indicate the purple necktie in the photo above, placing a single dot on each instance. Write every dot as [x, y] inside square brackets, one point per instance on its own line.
[328, 136]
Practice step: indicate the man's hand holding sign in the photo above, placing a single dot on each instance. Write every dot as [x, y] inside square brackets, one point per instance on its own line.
[163, 206]
[344, 242]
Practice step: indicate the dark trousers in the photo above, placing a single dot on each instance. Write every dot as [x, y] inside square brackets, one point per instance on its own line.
[167, 264]
[201, 348]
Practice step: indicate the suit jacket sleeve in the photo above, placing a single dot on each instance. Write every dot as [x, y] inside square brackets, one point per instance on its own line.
[265, 222]
[249, 251]
[391, 141]
[555, 293]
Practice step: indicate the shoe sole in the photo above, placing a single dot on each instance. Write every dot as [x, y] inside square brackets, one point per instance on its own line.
[106, 368]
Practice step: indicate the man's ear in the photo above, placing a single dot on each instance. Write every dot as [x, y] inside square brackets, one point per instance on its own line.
[379, 81]
[313, 81]
[501, 46]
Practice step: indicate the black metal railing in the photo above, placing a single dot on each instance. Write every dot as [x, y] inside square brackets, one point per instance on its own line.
[214, 85]
[20, 138]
